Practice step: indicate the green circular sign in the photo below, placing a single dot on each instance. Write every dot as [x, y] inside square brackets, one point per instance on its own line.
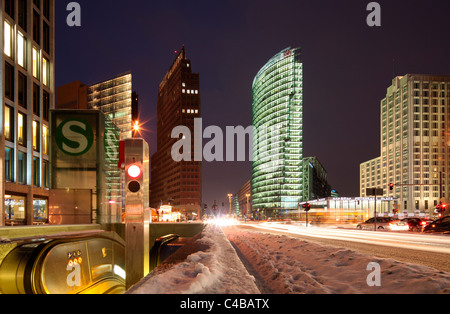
[74, 137]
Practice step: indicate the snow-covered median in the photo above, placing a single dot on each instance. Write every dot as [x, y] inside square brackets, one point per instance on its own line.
[289, 265]
[214, 270]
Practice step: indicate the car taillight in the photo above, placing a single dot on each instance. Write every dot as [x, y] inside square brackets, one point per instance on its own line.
[423, 223]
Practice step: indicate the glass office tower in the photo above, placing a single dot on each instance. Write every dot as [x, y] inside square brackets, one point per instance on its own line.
[277, 173]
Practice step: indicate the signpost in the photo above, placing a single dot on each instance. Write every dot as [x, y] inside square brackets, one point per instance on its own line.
[375, 192]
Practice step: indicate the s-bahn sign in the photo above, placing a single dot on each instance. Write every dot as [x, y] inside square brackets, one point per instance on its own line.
[74, 137]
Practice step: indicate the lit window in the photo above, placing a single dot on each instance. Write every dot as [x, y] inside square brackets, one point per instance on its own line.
[183, 84]
[184, 91]
[35, 135]
[8, 123]
[45, 71]
[196, 92]
[7, 47]
[21, 129]
[188, 91]
[35, 63]
[45, 140]
[21, 49]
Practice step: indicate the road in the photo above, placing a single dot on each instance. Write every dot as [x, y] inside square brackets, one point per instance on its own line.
[423, 249]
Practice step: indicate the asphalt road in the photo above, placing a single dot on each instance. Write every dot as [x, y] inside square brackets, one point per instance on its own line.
[428, 250]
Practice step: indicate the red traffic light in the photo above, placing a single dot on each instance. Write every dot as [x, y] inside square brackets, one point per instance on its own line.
[391, 186]
[134, 171]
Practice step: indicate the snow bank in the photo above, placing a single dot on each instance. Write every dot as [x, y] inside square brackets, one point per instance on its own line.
[294, 266]
[216, 270]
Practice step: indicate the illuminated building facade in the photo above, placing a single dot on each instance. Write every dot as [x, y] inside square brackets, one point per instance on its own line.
[27, 32]
[415, 144]
[178, 184]
[114, 98]
[277, 172]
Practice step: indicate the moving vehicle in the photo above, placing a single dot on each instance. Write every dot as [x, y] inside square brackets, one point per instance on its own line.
[383, 223]
[440, 225]
[416, 224]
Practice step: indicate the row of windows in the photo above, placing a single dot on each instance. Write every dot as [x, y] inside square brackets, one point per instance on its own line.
[15, 47]
[22, 169]
[23, 19]
[22, 94]
[19, 128]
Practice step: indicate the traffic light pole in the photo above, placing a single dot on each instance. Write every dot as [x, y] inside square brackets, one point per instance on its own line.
[137, 214]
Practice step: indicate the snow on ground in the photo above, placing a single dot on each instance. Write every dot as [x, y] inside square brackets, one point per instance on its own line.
[284, 265]
[290, 266]
[215, 270]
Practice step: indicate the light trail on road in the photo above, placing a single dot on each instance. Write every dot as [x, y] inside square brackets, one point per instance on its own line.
[421, 242]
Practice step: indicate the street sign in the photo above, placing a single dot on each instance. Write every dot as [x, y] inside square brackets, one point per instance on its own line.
[374, 192]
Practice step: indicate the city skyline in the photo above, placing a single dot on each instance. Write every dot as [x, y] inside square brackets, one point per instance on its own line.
[340, 92]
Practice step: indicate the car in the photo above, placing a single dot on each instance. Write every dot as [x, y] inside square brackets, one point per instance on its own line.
[416, 224]
[384, 223]
[440, 225]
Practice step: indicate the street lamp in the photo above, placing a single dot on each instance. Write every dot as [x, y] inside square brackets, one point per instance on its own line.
[230, 196]
[247, 196]
[136, 128]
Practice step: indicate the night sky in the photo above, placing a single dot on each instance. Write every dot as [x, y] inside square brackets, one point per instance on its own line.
[347, 65]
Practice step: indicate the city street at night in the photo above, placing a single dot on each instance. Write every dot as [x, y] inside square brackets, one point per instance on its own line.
[225, 155]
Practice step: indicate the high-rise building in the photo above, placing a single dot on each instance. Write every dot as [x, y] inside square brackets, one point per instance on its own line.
[177, 183]
[315, 184]
[27, 89]
[114, 98]
[277, 148]
[415, 144]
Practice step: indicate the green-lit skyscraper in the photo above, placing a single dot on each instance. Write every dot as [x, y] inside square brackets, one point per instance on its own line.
[277, 144]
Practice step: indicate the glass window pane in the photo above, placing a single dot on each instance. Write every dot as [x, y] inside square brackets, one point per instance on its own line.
[21, 49]
[35, 135]
[21, 122]
[35, 63]
[8, 124]
[9, 164]
[22, 169]
[7, 47]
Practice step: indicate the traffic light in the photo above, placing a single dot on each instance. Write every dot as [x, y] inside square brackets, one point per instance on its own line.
[307, 207]
[135, 162]
[134, 177]
[440, 209]
[391, 186]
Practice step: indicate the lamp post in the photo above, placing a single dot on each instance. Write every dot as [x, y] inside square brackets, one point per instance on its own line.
[230, 197]
[246, 211]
